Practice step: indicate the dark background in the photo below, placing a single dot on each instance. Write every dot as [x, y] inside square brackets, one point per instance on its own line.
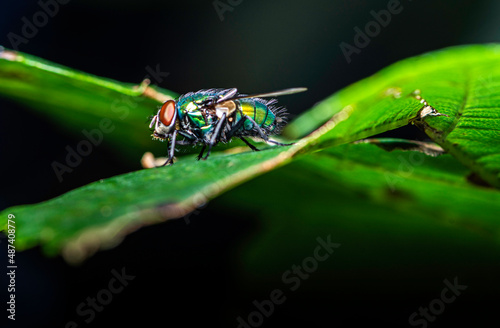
[184, 272]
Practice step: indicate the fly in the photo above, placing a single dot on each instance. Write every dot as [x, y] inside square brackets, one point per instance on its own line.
[208, 117]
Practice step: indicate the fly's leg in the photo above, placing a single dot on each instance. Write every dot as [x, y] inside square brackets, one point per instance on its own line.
[191, 141]
[252, 147]
[170, 159]
[201, 152]
[184, 142]
[189, 136]
[262, 134]
[235, 128]
[257, 127]
[216, 135]
[278, 143]
[259, 130]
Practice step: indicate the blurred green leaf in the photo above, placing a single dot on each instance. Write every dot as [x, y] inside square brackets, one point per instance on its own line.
[100, 214]
[396, 214]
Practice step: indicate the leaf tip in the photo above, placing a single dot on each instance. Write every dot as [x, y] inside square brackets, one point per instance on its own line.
[8, 54]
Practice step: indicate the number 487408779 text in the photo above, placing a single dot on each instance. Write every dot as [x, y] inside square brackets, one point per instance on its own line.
[11, 237]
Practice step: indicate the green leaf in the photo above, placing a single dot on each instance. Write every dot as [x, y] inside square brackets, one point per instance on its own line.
[79, 101]
[100, 214]
[388, 210]
[461, 82]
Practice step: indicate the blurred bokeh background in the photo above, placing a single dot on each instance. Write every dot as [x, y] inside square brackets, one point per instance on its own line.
[185, 272]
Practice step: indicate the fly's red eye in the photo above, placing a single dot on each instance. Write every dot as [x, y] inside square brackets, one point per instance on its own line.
[167, 112]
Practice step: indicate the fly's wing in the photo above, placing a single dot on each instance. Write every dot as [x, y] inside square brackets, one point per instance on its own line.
[229, 95]
[265, 95]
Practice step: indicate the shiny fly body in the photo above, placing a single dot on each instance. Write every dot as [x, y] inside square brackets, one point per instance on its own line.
[208, 117]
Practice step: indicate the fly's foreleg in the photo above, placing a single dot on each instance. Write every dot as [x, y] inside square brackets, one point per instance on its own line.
[171, 153]
[216, 135]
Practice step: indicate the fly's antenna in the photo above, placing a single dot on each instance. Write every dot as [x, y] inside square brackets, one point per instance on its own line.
[153, 121]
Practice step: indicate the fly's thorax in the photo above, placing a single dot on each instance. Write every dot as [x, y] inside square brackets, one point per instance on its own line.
[194, 114]
[203, 112]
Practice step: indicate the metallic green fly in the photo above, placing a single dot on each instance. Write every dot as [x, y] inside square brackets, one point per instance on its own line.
[208, 117]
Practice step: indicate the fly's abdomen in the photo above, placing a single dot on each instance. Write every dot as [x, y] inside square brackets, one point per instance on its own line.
[259, 112]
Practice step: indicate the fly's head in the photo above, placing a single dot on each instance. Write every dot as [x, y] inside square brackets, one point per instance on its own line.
[164, 121]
